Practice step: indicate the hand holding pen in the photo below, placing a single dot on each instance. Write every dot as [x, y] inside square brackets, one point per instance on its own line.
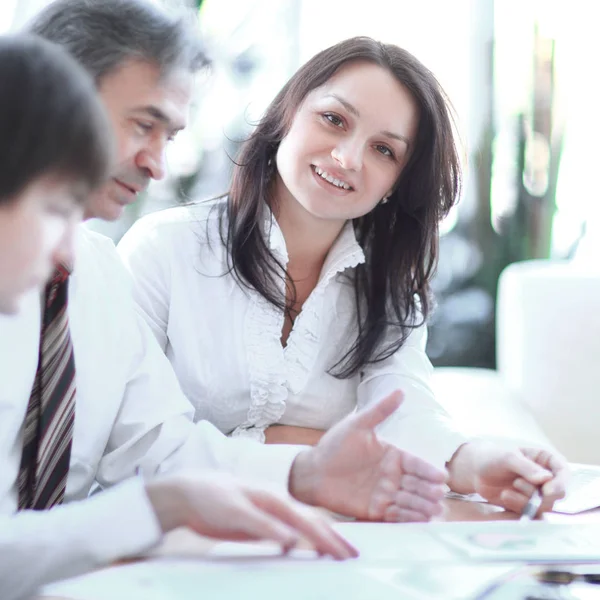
[534, 494]
[532, 506]
[511, 477]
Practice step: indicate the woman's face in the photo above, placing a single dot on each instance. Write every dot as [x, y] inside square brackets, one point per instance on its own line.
[36, 234]
[348, 143]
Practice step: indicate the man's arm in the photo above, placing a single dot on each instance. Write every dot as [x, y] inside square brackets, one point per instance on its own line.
[37, 547]
[150, 419]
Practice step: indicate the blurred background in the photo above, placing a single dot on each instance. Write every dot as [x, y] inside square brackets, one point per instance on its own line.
[521, 75]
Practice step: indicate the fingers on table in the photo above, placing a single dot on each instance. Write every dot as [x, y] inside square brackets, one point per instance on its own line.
[309, 524]
[261, 525]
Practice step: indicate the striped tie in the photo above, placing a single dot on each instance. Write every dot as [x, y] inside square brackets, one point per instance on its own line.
[51, 410]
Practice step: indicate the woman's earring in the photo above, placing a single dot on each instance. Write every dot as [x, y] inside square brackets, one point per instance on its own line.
[384, 200]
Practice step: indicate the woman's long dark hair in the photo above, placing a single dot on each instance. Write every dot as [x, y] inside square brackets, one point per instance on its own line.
[399, 238]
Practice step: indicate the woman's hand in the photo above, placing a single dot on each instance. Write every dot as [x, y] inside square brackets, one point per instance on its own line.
[508, 477]
[288, 434]
[353, 472]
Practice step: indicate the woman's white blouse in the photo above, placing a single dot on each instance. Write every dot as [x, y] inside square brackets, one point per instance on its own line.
[224, 341]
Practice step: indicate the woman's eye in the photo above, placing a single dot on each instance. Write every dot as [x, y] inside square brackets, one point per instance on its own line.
[334, 119]
[384, 150]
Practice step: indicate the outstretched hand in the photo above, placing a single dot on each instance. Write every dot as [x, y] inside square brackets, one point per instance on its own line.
[353, 472]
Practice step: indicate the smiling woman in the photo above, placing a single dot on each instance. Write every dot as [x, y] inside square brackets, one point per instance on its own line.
[354, 150]
[304, 292]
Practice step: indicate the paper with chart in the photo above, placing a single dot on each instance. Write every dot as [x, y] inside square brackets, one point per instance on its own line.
[533, 541]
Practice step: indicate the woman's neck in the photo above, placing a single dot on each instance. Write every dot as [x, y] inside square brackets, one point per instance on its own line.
[308, 239]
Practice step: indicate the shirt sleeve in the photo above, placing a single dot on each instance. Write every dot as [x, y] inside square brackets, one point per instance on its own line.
[38, 547]
[420, 426]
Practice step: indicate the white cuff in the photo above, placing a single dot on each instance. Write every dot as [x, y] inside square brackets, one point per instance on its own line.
[127, 524]
[38, 547]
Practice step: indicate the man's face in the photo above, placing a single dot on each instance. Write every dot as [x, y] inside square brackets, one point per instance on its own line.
[36, 234]
[147, 108]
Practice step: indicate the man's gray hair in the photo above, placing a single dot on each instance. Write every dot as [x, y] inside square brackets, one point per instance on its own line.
[103, 34]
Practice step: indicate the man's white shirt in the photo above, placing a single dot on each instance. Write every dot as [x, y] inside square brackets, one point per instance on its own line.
[130, 416]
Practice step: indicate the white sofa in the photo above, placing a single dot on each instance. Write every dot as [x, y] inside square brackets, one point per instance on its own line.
[547, 387]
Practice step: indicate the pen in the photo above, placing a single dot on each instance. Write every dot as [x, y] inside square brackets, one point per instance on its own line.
[532, 506]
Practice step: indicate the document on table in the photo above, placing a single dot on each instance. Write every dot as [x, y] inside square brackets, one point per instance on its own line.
[397, 561]
[411, 561]
[271, 579]
[398, 543]
[532, 541]
[233, 570]
[583, 491]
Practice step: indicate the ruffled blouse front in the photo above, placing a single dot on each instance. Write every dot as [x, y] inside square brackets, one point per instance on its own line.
[275, 371]
[224, 341]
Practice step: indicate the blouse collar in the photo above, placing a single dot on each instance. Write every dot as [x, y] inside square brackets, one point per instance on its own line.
[346, 252]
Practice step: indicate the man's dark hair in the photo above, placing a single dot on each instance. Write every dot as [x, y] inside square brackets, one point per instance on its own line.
[51, 119]
[104, 34]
